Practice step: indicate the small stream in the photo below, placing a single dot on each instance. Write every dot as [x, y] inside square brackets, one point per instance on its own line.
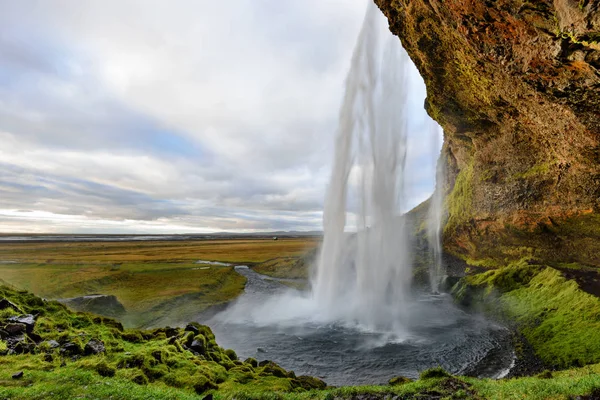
[462, 343]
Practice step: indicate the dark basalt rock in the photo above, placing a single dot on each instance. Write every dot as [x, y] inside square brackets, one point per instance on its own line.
[27, 320]
[70, 349]
[192, 328]
[199, 346]
[5, 303]
[15, 329]
[17, 375]
[94, 347]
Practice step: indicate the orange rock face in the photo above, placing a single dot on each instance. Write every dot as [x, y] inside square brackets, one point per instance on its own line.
[516, 87]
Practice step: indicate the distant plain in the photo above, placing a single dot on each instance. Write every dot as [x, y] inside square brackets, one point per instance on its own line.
[158, 282]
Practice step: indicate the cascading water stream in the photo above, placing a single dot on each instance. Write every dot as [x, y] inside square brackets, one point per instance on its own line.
[435, 218]
[365, 278]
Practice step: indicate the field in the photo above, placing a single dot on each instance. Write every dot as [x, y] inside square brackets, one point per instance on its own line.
[158, 282]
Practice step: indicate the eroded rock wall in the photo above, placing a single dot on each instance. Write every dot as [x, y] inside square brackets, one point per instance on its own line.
[516, 87]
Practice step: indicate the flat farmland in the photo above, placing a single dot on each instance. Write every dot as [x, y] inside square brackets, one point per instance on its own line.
[158, 282]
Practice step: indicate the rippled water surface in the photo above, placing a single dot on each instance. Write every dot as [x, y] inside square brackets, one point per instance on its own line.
[256, 326]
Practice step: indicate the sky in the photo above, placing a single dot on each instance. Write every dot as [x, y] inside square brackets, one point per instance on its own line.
[144, 116]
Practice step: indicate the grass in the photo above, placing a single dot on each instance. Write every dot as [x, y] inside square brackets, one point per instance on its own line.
[558, 319]
[136, 364]
[158, 283]
[156, 365]
[237, 251]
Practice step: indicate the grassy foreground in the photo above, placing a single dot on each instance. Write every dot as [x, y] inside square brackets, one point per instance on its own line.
[158, 283]
[177, 363]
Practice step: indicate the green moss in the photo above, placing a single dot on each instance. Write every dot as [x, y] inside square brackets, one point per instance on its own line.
[460, 201]
[437, 372]
[536, 170]
[556, 317]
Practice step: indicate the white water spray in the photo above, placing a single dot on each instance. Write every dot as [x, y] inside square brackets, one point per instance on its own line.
[365, 278]
[435, 218]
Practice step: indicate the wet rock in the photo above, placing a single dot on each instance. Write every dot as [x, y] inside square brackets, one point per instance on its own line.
[53, 344]
[70, 349]
[261, 350]
[192, 328]
[18, 375]
[5, 303]
[199, 346]
[3, 334]
[171, 332]
[15, 329]
[94, 347]
[27, 319]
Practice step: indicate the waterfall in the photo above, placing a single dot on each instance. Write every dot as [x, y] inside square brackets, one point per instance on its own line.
[365, 277]
[435, 217]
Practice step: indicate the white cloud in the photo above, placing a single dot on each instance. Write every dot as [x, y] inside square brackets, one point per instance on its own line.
[173, 115]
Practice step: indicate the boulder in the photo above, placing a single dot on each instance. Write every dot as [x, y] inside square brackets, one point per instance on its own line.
[15, 329]
[70, 349]
[27, 319]
[17, 375]
[198, 345]
[192, 328]
[5, 303]
[94, 347]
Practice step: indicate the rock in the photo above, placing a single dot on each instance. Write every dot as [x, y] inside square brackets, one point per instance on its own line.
[3, 334]
[199, 346]
[264, 362]
[15, 329]
[100, 304]
[27, 319]
[94, 347]
[5, 303]
[171, 332]
[515, 87]
[70, 349]
[18, 375]
[53, 344]
[208, 397]
[261, 350]
[192, 328]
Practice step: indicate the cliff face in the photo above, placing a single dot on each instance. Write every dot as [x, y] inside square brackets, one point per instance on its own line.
[516, 87]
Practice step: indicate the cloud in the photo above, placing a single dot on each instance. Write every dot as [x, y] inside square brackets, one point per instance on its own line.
[184, 116]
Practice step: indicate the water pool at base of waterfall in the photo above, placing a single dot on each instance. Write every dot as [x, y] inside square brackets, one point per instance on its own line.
[443, 335]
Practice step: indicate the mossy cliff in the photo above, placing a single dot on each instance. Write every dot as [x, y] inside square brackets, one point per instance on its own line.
[516, 87]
